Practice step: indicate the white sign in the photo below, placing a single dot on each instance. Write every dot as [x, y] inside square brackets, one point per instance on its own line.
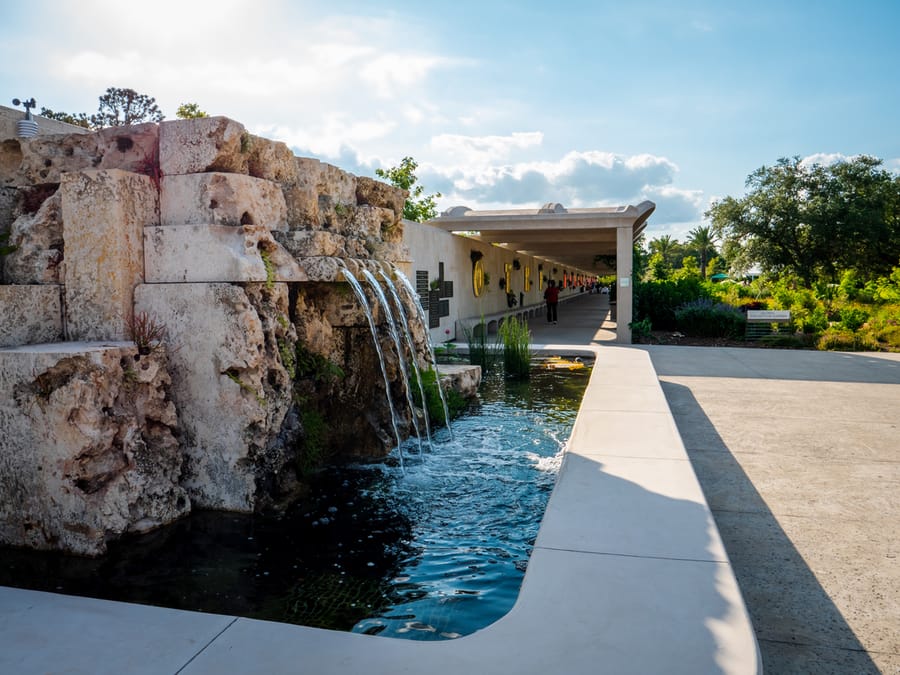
[768, 315]
[624, 281]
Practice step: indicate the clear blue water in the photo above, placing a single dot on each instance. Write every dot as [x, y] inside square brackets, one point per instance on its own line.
[433, 551]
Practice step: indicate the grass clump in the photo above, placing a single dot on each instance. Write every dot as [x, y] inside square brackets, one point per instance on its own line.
[516, 339]
[483, 351]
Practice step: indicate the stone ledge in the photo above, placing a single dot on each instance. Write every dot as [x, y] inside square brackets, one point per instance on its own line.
[216, 253]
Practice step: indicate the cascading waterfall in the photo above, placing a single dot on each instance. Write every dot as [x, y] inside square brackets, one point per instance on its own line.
[364, 301]
[404, 322]
[398, 345]
[414, 299]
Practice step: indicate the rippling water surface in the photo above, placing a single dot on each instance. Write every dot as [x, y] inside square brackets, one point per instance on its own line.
[434, 551]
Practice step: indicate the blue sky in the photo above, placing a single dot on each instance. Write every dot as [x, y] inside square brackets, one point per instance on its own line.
[504, 104]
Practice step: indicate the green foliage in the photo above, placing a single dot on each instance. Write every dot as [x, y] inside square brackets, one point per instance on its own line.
[418, 207]
[701, 245]
[641, 329]
[852, 318]
[843, 340]
[705, 318]
[689, 269]
[5, 248]
[516, 340]
[122, 107]
[118, 107]
[483, 351]
[288, 357]
[78, 120]
[314, 441]
[315, 366]
[782, 341]
[815, 221]
[658, 268]
[235, 377]
[455, 401]
[657, 300]
[189, 111]
[270, 268]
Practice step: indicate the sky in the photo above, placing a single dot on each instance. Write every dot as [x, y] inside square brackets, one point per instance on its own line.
[503, 104]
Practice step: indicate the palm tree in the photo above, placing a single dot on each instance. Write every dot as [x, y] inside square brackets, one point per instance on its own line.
[702, 242]
[666, 247]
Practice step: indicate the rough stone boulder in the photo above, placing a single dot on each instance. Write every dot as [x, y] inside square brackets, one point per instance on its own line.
[38, 239]
[89, 450]
[43, 159]
[229, 383]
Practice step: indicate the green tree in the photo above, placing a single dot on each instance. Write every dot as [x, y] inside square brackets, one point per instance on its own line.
[670, 249]
[658, 269]
[689, 269]
[814, 220]
[190, 111]
[701, 244]
[79, 120]
[121, 107]
[417, 207]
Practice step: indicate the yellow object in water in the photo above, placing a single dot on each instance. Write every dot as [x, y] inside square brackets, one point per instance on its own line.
[559, 363]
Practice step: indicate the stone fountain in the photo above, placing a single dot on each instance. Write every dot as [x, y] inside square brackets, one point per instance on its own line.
[175, 329]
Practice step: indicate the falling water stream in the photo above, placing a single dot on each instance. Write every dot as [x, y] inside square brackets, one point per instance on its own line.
[404, 324]
[414, 299]
[364, 302]
[401, 360]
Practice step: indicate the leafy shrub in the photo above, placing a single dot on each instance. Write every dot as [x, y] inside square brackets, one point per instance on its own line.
[843, 340]
[782, 340]
[658, 300]
[812, 322]
[705, 318]
[640, 329]
[852, 318]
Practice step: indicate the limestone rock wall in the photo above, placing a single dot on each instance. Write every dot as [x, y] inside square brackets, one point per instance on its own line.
[232, 249]
[89, 448]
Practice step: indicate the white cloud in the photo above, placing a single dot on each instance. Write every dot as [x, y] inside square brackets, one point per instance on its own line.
[577, 179]
[482, 150]
[825, 158]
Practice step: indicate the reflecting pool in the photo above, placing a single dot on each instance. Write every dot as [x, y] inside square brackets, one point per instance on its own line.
[434, 550]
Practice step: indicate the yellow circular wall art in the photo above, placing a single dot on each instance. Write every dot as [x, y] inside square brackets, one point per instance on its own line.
[478, 278]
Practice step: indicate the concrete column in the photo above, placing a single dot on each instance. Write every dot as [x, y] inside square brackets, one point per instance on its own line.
[624, 262]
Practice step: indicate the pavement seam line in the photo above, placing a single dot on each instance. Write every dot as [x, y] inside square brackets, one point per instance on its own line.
[203, 648]
[630, 555]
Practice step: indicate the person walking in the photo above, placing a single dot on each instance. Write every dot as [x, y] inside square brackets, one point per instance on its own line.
[551, 296]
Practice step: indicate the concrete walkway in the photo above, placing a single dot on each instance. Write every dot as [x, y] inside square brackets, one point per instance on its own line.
[798, 454]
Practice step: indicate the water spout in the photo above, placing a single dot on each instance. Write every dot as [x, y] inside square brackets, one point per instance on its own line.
[404, 322]
[364, 301]
[392, 325]
[414, 299]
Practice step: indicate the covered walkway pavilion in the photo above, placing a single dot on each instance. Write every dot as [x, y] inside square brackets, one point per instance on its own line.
[596, 241]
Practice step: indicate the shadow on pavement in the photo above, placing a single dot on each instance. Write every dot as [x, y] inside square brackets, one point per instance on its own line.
[798, 626]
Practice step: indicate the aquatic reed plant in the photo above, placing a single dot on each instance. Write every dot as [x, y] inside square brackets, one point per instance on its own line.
[516, 339]
[484, 351]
